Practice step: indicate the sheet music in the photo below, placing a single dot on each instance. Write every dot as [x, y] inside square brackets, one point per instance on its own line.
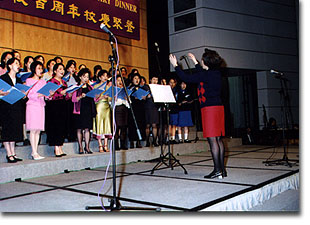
[13, 96]
[162, 93]
[45, 90]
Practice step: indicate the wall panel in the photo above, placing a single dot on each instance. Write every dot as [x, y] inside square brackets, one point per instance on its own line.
[204, 36]
[7, 31]
[249, 34]
[246, 23]
[274, 10]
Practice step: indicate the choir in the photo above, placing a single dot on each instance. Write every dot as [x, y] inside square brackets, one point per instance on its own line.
[75, 104]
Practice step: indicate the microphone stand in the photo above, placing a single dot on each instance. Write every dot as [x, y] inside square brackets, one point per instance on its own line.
[115, 204]
[157, 60]
[195, 100]
[285, 117]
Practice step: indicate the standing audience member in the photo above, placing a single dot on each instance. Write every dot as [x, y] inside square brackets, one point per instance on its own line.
[84, 111]
[12, 114]
[209, 80]
[35, 108]
[102, 127]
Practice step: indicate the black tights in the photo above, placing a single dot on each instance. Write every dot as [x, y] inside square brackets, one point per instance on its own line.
[120, 133]
[86, 137]
[218, 152]
[148, 131]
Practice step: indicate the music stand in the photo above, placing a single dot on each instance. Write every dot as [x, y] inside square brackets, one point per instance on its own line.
[163, 94]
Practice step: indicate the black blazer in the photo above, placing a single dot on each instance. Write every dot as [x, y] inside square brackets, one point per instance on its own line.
[17, 107]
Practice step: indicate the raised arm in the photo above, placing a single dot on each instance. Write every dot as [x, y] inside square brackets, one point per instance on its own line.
[194, 78]
[193, 58]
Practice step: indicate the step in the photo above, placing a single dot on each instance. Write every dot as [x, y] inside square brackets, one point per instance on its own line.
[51, 165]
[69, 148]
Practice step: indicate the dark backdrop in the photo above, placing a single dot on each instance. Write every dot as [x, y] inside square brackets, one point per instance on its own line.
[157, 25]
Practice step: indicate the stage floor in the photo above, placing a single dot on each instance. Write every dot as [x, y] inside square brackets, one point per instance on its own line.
[165, 189]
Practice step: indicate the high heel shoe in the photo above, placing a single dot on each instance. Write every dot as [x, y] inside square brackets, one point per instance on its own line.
[106, 148]
[57, 155]
[214, 174]
[81, 151]
[138, 144]
[224, 172]
[116, 145]
[11, 160]
[17, 159]
[148, 144]
[37, 157]
[123, 146]
[87, 151]
[155, 143]
[101, 149]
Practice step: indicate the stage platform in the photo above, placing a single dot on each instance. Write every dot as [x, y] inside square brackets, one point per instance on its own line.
[73, 161]
[74, 182]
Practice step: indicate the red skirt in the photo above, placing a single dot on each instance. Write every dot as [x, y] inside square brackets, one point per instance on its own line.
[213, 121]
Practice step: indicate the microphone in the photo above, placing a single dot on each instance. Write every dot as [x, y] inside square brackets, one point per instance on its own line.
[276, 72]
[183, 57]
[157, 47]
[104, 27]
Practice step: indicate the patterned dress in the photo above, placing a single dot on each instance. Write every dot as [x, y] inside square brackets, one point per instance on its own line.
[56, 116]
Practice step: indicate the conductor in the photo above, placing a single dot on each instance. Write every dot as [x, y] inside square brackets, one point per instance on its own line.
[209, 81]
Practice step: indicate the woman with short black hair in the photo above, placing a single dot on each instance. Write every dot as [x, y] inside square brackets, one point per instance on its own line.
[139, 114]
[27, 63]
[84, 111]
[12, 115]
[35, 108]
[4, 58]
[57, 116]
